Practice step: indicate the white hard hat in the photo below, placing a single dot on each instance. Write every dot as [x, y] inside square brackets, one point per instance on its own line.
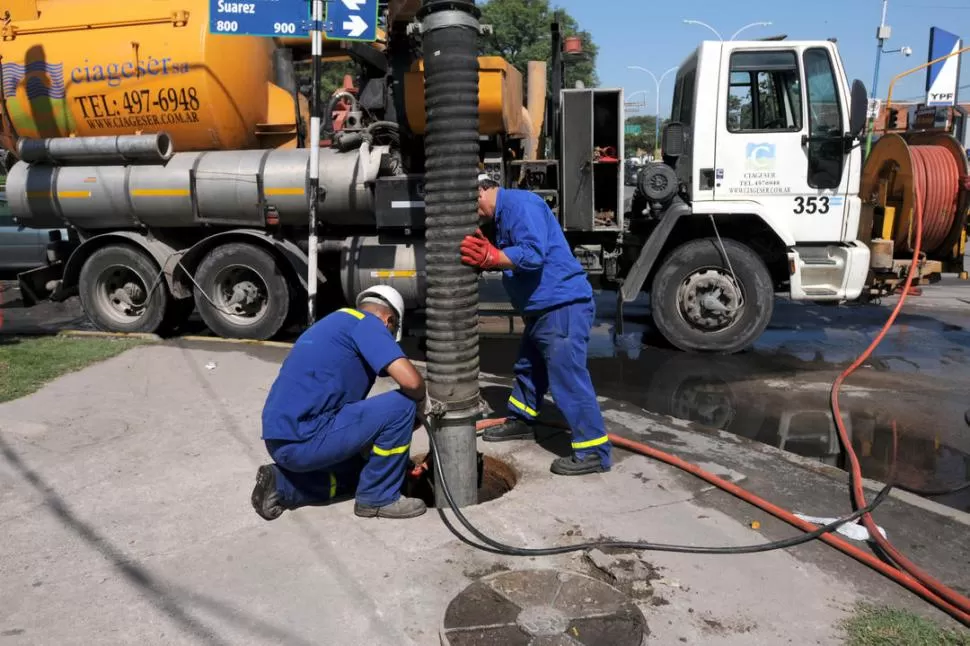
[387, 296]
[483, 176]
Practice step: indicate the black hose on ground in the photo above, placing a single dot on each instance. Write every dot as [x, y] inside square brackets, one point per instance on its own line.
[493, 546]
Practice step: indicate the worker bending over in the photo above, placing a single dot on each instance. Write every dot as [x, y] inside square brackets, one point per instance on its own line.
[325, 438]
[548, 286]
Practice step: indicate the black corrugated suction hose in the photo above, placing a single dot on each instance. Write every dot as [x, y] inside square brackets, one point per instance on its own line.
[451, 204]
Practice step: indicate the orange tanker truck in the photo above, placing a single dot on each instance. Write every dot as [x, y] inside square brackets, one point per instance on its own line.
[178, 160]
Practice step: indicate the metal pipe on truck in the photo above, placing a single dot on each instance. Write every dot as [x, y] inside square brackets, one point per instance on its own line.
[122, 149]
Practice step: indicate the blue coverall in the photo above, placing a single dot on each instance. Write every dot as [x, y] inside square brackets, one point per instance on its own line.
[549, 287]
[316, 419]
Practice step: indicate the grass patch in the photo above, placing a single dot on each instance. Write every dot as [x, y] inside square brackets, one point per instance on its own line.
[883, 626]
[27, 363]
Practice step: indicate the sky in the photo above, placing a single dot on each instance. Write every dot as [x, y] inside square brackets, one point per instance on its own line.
[653, 35]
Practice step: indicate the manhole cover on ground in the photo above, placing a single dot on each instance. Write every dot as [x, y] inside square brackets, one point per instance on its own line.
[542, 608]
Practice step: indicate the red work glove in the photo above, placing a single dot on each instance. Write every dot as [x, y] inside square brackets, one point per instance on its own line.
[478, 252]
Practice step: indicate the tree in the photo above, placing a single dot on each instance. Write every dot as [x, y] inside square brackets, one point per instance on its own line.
[645, 140]
[521, 34]
[331, 76]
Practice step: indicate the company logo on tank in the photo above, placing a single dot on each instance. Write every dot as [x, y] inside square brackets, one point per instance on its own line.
[114, 74]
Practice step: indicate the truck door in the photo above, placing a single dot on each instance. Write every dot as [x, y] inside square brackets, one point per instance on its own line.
[764, 154]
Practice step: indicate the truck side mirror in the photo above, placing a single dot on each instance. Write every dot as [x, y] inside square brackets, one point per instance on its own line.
[858, 108]
[674, 140]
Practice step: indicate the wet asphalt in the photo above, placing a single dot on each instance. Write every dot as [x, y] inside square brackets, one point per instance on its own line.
[914, 393]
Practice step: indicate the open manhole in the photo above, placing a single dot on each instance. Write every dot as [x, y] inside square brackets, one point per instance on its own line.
[542, 608]
[495, 479]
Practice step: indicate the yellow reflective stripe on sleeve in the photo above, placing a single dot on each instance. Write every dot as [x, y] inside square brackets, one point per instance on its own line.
[591, 443]
[522, 407]
[397, 450]
[354, 313]
[333, 485]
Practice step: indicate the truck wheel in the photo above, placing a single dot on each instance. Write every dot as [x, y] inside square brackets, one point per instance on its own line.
[121, 290]
[246, 296]
[697, 306]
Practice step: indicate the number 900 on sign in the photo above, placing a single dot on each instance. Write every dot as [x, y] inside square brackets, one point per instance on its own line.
[284, 28]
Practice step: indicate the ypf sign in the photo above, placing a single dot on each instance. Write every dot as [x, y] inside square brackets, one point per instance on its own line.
[942, 79]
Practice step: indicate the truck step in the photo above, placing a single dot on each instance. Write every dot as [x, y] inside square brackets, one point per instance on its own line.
[821, 291]
[820, 262]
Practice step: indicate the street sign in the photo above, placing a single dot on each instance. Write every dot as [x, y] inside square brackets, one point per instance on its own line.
[351, 20]
[632, 129]
[875, 106]
[260, 18]
[942, 79]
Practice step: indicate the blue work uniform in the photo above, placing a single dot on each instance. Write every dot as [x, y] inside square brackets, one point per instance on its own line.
[316, 420]
[549, 287]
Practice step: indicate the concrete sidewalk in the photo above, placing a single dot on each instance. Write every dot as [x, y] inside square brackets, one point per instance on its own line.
[126, 519]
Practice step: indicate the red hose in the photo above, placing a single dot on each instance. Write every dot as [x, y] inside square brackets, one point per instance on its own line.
[900, 577]
[936, 179]
[932, 194]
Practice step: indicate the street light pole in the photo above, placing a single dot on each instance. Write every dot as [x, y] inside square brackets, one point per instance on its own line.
[718, 34]
[657, 82]
[754, 24]
[704, 24]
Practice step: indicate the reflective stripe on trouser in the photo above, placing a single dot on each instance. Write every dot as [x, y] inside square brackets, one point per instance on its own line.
[329, 463]
[552, 356]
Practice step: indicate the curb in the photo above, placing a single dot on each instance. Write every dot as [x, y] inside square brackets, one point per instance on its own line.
[109, 335]
[217, 339]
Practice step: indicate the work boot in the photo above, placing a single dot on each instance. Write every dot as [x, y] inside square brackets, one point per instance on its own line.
[400, 508]
[572, 466]
[512, 428]
[265, 499]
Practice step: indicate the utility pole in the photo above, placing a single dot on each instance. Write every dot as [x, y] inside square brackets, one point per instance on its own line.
[882, 35]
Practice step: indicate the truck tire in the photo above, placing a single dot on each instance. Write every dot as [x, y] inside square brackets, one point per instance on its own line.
[693, 297]
[246, 296]
[121, 290]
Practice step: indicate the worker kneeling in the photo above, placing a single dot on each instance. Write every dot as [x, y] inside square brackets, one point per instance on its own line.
[548, 286]
[325, 438]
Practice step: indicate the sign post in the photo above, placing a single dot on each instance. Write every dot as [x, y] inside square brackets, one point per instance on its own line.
[316, 50]
[348, 20]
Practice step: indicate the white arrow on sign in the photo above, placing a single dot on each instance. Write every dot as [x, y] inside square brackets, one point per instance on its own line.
[353, 5]
[355, 26]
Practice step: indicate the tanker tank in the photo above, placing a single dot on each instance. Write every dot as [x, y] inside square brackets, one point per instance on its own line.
[196, 189]
[102, 68]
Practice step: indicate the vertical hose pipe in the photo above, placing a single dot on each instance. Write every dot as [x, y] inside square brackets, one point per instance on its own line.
[450, 44]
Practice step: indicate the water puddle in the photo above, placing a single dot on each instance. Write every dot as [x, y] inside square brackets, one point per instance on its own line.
[780, 398]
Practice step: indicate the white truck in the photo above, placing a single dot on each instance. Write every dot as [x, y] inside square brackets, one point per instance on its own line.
[774, 197]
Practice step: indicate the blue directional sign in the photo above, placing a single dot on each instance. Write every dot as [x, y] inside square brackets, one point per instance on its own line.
[351, 20]
[260, 18]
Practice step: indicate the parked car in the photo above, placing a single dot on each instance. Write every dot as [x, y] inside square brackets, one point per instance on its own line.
[631, 169]
[21, 249]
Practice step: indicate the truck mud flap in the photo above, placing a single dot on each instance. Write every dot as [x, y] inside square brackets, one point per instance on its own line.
[633, 282]
[33, 284]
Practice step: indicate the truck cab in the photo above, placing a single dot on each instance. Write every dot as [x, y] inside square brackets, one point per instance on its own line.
[776, 143]
[763, 147]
